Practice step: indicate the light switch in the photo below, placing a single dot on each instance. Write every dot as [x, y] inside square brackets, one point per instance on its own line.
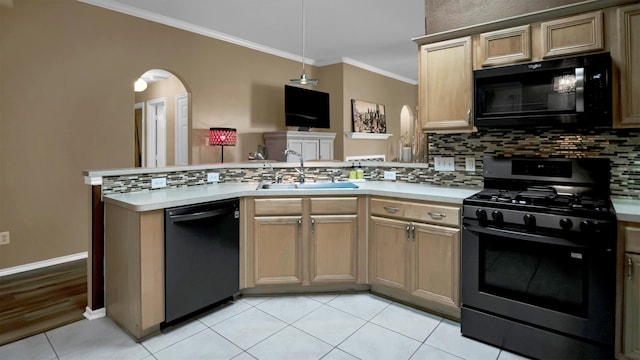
[444, 163]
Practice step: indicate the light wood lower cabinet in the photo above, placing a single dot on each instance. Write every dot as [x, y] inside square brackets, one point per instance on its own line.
[435, 265]
[278, 250]
[389, 251]
[413, 260]
[631, 298]
[304, 241]
[333, 255]
[134, 269]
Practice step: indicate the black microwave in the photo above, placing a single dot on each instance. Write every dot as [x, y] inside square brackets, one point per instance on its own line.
[568, 92]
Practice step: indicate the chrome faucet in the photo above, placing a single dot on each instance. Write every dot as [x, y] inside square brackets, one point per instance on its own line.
[301, 170]
[276, 178]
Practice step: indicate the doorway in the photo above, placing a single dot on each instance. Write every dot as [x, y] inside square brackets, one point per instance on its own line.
[156, 133]
[162, 121]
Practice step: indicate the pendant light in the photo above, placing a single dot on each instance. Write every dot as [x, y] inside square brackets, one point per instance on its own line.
[303, 78]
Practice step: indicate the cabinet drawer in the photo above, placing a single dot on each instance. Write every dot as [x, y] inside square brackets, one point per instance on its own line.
[413, 211]
[334, 205]
[632, 239]
[284, 206]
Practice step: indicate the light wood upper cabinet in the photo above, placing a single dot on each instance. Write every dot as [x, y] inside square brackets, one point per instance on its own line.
[505, 46]
[628, 19]
[445, 85]
[572, 35]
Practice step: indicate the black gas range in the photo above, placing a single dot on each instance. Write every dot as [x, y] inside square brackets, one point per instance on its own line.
[538, 258]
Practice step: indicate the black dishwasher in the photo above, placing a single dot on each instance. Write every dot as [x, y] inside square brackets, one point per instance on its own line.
[202, 259]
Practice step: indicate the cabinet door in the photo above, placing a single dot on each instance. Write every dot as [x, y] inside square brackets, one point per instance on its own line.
[629, 37]
[631, 339]
[297, 146]
[326, 150]
[389, 251]
[505, 46]
[435, 264]
[311, 149]
[334, 248]
[445, 85]
[572, 35]
[277, 250]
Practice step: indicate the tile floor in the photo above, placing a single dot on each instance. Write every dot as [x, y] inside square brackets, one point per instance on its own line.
[329, 327]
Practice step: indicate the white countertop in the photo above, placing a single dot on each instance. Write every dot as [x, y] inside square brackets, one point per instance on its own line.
[166, 198]
[627, 209]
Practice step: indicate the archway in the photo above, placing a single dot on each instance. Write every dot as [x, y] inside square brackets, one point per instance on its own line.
[162, 121]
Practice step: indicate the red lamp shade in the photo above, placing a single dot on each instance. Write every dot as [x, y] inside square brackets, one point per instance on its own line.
[222, 136]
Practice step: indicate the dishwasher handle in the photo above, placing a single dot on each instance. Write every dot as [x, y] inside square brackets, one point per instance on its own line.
[201, 215]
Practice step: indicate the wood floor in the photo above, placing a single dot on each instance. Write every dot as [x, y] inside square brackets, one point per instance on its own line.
[39, 300]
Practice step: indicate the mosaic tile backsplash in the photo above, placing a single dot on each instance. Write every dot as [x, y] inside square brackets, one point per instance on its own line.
[622, 147]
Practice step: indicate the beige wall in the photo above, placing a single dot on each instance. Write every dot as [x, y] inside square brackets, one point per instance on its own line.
[66, 76]
[360, 84]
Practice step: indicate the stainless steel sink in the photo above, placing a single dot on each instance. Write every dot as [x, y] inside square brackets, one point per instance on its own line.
[334, 185]
[276, 186]
[328, 185]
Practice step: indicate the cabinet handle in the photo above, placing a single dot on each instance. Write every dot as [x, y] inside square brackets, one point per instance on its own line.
[299, 224]
[413, 232]
[437, 216]
[629, 267]
[408, 229]
[313, 225]
[391, 209]
[469, 115]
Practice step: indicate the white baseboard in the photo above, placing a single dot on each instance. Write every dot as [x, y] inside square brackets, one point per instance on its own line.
[43, 263]
[95, 314]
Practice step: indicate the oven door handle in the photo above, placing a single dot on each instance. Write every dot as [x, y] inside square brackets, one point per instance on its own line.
[524, 236]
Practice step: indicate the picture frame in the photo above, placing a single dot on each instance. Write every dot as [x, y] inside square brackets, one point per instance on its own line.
[368, 117]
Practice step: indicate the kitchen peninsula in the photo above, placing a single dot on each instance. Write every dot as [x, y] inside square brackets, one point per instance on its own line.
[392, 232]
[134, 234]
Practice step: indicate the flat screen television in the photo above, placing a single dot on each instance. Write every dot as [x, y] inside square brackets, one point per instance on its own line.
[306, 108]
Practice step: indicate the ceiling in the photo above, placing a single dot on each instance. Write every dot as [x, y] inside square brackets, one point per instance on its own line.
[372, 34]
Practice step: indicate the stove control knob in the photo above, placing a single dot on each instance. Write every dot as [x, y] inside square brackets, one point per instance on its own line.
[529, 220]
[586, 226]
[566, 224]
[497, 217]
[481, 214]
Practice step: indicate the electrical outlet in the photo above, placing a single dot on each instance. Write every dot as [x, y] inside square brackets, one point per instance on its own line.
[444, 163]
[213, 177]
[157, 183]
[470, 163]
[5, 238]
[389, 175]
